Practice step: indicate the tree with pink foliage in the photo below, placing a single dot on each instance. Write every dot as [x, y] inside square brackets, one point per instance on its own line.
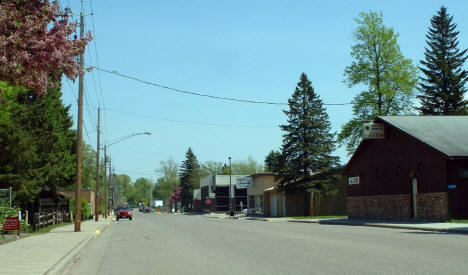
[36, 47]
[175, 197]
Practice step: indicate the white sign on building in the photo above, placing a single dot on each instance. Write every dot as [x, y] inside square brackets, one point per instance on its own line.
[244, 182]
[373, 131]
[353, 180]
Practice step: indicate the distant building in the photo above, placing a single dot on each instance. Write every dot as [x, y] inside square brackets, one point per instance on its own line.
[214, 193]
[264, 198]
[410, 167]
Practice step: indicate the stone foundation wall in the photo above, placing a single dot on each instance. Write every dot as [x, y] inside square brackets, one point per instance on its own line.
[430, 206]
[388, 206]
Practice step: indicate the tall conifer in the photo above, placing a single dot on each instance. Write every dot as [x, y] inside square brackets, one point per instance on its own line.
[189, 177]
[307, 142]
[442, 86]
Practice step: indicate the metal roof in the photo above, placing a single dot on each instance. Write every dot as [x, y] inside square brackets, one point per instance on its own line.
[448, 134]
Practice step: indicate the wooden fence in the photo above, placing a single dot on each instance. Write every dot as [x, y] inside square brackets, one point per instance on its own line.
[45, 219]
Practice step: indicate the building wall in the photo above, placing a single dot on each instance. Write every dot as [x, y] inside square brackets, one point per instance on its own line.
[430, 206]
[458, 195]
[259, 184]
[334, 204]
[386, 166]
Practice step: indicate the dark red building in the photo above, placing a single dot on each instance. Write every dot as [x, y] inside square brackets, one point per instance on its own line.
[416, 168]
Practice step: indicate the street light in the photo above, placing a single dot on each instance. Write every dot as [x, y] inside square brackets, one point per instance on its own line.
[112, 142]
[230, 173]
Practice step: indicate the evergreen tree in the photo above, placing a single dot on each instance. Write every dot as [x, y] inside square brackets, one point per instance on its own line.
[273, 161]
[36, 144]
[307, 142]
[189, 177]
[443, 85]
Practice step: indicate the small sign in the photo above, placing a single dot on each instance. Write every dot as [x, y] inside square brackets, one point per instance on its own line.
[452, 186]
[208, 201]
[11, 224]
[353, 180]
[244, 182]
[373, 131]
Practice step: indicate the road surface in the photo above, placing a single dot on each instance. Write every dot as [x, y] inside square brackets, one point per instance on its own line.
[181, 244]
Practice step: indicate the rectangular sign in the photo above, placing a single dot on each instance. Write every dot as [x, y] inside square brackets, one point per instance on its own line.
[244, 182]
[452, 186]
[11, 224]
[373, 131]
[353, 180]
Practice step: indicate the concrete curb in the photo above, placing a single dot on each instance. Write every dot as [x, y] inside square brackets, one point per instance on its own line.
[68, 259]
[443, 230]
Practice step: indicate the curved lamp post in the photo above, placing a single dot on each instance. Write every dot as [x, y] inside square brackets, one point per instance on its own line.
[112, 142]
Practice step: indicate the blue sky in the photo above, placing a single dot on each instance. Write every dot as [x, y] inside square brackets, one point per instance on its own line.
[242, 49]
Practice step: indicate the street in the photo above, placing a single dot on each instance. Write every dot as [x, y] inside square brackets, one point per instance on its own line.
[180, 244]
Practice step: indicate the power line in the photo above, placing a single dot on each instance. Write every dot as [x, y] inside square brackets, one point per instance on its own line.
[141, 173]
[192, 122]
[205, 95]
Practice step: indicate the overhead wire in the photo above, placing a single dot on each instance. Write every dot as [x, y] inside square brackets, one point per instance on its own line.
[191, 122]
[202, 94]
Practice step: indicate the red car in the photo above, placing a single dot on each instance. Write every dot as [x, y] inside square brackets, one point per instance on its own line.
[123, 213]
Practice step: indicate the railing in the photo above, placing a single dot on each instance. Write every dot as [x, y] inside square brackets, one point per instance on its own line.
[45, 219]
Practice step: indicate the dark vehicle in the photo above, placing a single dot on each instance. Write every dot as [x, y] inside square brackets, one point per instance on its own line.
[146, 210]
[123, 213]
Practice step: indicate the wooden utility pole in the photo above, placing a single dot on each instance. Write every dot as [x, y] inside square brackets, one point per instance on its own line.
[110, 182]
[98, 168]
[105, 184]
[79, 140]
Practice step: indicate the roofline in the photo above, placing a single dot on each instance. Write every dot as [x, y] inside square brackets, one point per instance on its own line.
[381, 120]
[263, 174]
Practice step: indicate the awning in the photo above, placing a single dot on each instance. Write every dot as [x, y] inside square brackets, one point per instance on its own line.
[271, 189]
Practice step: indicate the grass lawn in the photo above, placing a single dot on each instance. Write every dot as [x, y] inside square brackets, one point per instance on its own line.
[458, 221]
[318, 217]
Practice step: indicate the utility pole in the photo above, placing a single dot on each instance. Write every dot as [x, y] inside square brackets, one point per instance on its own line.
[79, 140]
[110, 180]
[98, 168]
[105, 184]
[113, 188]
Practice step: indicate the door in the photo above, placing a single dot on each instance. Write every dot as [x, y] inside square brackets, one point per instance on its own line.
[414, 197]
[274, 209]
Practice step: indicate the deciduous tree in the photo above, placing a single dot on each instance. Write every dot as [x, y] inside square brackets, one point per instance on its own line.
[378, 64]
[35, 44]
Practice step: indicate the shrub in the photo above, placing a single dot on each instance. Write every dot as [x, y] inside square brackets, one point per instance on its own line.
[85, 211]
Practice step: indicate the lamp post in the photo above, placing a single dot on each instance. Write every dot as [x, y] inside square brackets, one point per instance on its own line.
[105, 159]
[230, 173]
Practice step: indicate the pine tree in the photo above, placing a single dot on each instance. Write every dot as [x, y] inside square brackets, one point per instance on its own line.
[307, 142]
[443, 85]
[189, 177]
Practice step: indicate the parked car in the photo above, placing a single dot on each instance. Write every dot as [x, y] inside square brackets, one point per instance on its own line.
[123, 213]
[146, 210]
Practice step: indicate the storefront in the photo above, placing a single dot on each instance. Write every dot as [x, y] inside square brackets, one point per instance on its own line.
[260, 182]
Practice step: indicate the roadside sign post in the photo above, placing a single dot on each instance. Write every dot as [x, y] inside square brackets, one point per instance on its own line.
[11, 224]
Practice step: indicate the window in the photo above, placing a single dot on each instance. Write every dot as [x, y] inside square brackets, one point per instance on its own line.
[464, 173]
[259, 202]
[398, 171]
[251, 202]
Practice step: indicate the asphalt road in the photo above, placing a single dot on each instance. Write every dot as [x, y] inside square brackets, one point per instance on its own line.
[180, 244]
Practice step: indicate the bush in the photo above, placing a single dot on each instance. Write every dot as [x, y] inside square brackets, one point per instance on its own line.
[7, 212]
[85, 211]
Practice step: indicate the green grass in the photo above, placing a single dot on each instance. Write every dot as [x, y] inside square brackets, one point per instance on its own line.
[47, 229]
[458, 221]
[318, 217]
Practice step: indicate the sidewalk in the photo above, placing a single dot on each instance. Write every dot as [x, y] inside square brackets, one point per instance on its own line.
[460, 228]
[410, 225]
[48, 253]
